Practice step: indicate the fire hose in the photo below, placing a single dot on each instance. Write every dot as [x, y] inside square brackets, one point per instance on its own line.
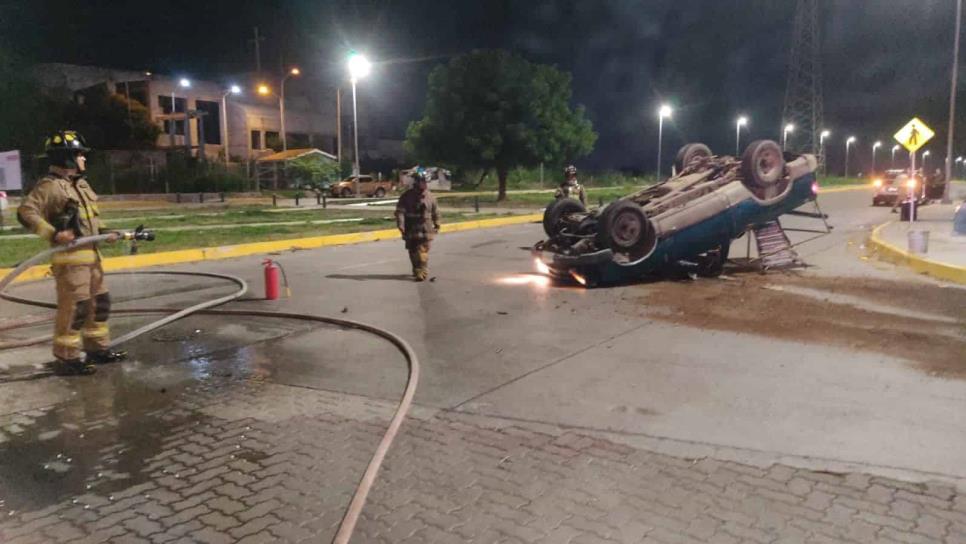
[358, 501]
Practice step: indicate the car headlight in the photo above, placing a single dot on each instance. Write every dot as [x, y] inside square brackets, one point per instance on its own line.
[877, 183]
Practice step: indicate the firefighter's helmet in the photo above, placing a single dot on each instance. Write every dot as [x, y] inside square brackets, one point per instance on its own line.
[63, 146]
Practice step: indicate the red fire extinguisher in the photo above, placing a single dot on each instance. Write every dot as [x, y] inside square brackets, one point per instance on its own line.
[271, 279]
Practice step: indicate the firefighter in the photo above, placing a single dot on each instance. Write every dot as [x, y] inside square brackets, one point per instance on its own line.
[417, 217]
[61, 208]
[570, 187]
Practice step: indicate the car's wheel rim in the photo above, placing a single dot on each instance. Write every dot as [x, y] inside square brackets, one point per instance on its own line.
[627, 229]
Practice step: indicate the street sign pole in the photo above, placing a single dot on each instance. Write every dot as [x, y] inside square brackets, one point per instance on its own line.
[912, 190]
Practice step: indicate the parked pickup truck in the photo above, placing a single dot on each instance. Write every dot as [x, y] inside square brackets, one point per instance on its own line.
[367, 187]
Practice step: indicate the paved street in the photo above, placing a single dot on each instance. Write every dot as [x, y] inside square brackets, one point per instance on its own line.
[824, 405]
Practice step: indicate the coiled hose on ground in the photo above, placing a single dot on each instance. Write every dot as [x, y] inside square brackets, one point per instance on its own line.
[352, 513]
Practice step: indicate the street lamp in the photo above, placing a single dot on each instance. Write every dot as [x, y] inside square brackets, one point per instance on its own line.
[359, 67]
[281, 104]
[742, 121]
[874, 147]
[958, 161]
[184, 83]
[848, 143]
[894, 149]
[662, 112]
[234, 89]
[788, 128]
[924, 155]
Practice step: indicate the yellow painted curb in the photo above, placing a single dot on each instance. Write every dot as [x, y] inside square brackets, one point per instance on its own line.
[893, 254]
[241, 250]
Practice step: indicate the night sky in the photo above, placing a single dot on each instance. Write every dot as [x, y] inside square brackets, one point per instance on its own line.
[884, 60]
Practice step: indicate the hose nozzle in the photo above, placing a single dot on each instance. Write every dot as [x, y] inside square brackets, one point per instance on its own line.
[140, 234]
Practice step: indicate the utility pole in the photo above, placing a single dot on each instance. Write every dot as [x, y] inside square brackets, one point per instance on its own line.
[258, 51]
[338, 126]
[803, 92]
[952, 105]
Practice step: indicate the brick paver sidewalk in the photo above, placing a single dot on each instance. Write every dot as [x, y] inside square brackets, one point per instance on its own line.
[247, 461]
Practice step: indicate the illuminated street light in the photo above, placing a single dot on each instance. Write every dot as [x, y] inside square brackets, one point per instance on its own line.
[742, 121]
[788, 128]
[281, 104]
[894, 149]
[875, 146]
[359, 67]
[264, 89]
[924, 155]
[184, 82]
[234, 89]
[848, 143]
[662, 112]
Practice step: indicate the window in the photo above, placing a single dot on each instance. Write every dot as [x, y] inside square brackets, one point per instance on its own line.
[180, 104]
[272, 140]
[297, 140]
[256, 139]
[211, 122]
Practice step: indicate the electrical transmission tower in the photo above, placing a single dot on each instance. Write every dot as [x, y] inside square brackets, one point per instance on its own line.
[803, 93]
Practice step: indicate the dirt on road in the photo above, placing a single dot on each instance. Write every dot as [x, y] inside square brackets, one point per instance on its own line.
[924, 323]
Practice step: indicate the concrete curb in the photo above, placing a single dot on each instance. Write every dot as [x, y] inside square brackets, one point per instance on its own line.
[893, 254]
[241, 250]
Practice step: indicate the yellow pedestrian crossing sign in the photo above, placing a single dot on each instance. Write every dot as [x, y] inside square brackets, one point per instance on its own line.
[914, 135]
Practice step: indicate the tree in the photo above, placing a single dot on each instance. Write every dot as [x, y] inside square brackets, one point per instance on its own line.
[111, 121]
[496, 110]
[27, 115]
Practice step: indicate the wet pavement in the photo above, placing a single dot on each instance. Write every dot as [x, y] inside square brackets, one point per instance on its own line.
[544, 415]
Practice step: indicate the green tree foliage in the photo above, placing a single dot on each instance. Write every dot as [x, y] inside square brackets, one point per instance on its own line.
[495, 110]
[26, 114]
[313, 170]
[111, 121]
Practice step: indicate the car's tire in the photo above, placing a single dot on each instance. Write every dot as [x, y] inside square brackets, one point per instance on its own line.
[625, 229]
[763, 170]
[690, 153]
[556, 210]
[380, 192]
[346, 192]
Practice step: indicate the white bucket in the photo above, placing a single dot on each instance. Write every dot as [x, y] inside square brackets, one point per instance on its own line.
[918, 241]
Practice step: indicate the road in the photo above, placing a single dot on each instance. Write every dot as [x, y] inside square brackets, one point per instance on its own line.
[849, 375]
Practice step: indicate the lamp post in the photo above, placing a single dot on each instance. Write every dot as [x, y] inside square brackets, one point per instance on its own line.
[742, 121]
[184, 83]
[959, 160]
[848, 144]
[821, 148]
[662, 112]
[234, 89]
[875, 146]
[894, 149]
[924, 155]
[281, 104]
[359, 67]
[788, 129]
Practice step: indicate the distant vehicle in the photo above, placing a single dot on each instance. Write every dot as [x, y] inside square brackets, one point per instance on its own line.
[888, 187]
[690, 218]
[368, 186]
[438, 179]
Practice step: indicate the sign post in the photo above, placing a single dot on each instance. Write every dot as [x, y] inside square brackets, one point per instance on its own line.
[913, 136]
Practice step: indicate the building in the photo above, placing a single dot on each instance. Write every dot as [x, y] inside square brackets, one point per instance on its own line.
[253, 127]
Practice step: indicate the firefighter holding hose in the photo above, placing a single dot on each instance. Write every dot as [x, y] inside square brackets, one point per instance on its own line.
[61, 208]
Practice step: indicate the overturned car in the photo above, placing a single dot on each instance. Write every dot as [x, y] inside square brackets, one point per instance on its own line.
[688, 220]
